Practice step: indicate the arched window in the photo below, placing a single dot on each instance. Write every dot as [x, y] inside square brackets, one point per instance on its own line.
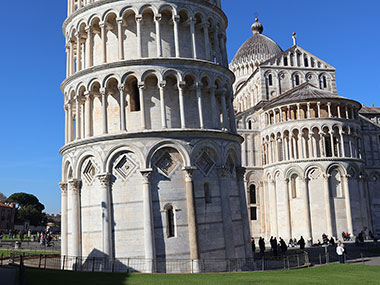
[270, 80]
[252, 194]
[306, 61]
[324, 82]
[293, 185]
[170, 226]
[207, 192]
[297, 80]
[249, 125]
[285, 61]
[134, 95]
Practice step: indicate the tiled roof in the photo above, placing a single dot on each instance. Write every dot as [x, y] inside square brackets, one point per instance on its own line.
[303, 92]
[370, 110]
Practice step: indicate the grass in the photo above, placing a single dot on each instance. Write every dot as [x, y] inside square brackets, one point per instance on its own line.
[330, 274]
[7, 252]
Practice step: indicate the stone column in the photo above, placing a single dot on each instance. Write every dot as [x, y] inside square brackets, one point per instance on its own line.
[329, 109]
[288, 227]
[286, 145]
[149, 243]
[244, 151]
[224, 180]
[308, 111]
[181, 86]
[72, 67]
[326, 192]
[79, 52]
[214, 111]
[67, 60]
[192, 219]
[310, 146]
[363, 206]
[63, 187]
[332, 144]
[306, 202]
[78, 118]
[224, 111]
[88, 114]
[104, 110]
[200, 107]
[120, 37]
[231, 115]
[161, 86]
[66, 124]
[298, 112]
[207, 41]
[274, 216]
[69, 122]
[104, 41]
[193, 42]
[89, 49]
[348, 203]
[142, 105]
[157, 20]
[106, 208]
[322, 145]
[74, 190]
[343, 153]
[240, 171]
[123, 125]
[138, 34]
[319, 109]
[176, 19]
[222, 49]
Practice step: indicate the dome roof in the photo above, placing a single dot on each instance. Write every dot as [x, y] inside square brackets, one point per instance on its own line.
[257, 48]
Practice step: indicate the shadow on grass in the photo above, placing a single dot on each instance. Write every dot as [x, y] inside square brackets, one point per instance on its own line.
[54, 277]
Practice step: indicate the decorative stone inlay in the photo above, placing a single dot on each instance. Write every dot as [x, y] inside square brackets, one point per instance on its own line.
[205, 163]
[89, 172]
[314, 174]
[124, 166]
[167, 164]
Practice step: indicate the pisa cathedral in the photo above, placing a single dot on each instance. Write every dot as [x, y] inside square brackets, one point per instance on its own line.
[311, 156]
[154, 164]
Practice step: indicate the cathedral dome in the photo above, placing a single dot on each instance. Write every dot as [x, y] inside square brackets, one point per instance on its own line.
[256, 48]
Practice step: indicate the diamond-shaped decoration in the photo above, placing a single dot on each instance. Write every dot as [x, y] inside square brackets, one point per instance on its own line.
[89, 172]
[205, 163]
[125, 166]
[166, 164]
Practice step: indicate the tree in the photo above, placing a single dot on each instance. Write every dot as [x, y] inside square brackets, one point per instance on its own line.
[28, 208]
[3, 198]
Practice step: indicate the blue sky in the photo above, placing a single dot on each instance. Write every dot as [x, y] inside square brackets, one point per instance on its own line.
[346, 34]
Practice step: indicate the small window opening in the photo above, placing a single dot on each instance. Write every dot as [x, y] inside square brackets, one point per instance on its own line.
[306, 61]
[207, 193]
[252, 194]
[253, 213]
[297, 80]
[170, 221]
[249, 125]
[135, 96]
[286, 61]
[324, 82]
[270, 80]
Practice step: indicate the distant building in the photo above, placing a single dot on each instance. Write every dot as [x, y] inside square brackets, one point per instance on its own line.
[7, 216]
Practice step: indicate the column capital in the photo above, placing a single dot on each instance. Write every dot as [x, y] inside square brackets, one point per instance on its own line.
[121, 87]
[158, 17]
[162, 84]
[146, 175]
[102, 91]
[181, 84]
[223, 171]
[119, 21]
[286, 180]
[198, 85]
[141, 85]
[75, 185]
[176, 18]
[63, 186]
[189, 171]
[104, 179]
[138, 18]
[240, 172]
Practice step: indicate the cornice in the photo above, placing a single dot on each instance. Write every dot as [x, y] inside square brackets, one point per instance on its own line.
[165, 62]
[173, 134]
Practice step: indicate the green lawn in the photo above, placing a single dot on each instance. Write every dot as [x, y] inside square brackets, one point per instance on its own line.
[330, 274]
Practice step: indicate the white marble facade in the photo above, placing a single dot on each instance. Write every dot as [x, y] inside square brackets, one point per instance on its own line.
[151, 163]
[312, 157]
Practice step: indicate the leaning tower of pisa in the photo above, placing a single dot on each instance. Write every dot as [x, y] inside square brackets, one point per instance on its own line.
[151, 170]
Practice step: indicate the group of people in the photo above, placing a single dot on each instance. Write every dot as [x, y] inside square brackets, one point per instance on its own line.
[277, 245]
[346, 236]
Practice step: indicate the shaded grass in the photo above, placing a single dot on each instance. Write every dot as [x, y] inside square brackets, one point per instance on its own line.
[329, 274]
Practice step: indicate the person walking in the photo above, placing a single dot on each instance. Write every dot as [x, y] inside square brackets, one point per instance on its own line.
[262, 245]
[340, 251]
[253, 246]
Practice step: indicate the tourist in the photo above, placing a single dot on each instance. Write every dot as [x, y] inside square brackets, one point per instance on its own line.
[332, 241]
[283, 246]
[340, 251]
[253, 246]
[262, 245]
[275, 247]
[301, 243]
